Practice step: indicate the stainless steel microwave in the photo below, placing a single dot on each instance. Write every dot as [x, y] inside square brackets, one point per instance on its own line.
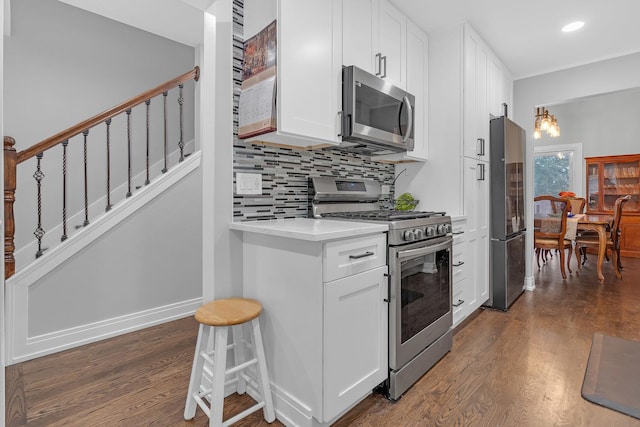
[377, 117]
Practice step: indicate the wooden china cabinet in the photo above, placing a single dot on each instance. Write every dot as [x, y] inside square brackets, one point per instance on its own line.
[608, 178]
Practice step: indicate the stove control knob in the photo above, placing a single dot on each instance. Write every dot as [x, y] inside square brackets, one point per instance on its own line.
[449, 228]
[418, 233]
[409, 236]
[441, 230]
[431, 231]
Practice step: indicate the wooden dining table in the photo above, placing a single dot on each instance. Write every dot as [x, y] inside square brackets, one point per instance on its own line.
[601, 224]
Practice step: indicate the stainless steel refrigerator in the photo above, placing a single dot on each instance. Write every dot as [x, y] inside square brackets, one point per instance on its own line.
[507, 212]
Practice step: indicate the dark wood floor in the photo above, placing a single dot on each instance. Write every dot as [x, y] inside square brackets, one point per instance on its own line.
[520, 368]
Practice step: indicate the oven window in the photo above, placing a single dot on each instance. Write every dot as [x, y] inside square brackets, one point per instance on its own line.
[424, 296]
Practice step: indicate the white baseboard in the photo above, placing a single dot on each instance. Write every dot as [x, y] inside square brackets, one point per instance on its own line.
[23, 348]
[529, 283]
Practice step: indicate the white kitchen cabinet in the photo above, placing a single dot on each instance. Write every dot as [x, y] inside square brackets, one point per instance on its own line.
[476, 96]
[477, 205]
[417, 85]
[466, 90]
[324, 320]
[375, 39]
[360, 34]
[500, 88]
[461, 289]
[309, 72]
[392, 41]
[355, 338]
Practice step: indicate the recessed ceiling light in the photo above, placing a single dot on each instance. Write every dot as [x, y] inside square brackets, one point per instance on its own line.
[572, 26]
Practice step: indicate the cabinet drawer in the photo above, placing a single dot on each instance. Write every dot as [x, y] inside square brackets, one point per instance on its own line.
[459, 301]
[458, 266]
[346, 257]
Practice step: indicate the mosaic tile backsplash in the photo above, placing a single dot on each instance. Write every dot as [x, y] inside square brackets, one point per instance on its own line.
[285, 172]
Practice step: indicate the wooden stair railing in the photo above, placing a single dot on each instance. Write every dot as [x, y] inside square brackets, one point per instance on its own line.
[12, 158]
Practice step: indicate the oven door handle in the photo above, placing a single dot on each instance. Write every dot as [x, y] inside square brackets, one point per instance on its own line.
[412, 253]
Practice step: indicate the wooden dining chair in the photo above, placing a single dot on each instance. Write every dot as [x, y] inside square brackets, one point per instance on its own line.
[613, 240]
[550, 227]
[577, 204]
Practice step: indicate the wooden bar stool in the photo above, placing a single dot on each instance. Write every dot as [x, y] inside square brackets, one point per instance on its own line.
[217, 316]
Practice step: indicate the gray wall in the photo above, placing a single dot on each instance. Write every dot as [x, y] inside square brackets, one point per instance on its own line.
[604, 124]
[561, 86]
[63, 65]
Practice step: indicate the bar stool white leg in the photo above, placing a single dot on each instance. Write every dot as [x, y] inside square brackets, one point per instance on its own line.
[196, 372]
[239, 356]
[218, 380]
[263, 376]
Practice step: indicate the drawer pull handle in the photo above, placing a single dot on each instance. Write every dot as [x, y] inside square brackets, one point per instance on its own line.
[364, 255]
[458, 264]
[457, 232]
[459, 303]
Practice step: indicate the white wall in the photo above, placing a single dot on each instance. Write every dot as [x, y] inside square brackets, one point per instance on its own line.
[561, 86]
[223, 248]
[64, 65]
[604, 124]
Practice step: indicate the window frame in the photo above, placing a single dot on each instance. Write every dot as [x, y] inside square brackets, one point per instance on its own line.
[578, 162]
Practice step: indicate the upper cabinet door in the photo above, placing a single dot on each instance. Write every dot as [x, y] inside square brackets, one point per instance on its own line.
[500, 88]
[309, 68]
[360, 34]
[417, 85]
[476, 110]
[392, 39]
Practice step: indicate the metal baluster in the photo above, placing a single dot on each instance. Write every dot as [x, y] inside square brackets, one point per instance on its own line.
[108, 207]
[128, 152]
[181, 141]
[86, 180]
[164, 99]
[39, 233]
[64, 190]
[146, 181]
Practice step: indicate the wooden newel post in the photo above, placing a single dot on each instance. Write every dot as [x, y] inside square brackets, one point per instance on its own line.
[10, 164]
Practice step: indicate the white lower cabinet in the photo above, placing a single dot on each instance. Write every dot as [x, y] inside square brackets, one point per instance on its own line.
[324, 321]
[476, 209]
[355, 338]
[461, 285]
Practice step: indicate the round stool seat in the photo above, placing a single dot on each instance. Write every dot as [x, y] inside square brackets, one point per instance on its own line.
[228, 311]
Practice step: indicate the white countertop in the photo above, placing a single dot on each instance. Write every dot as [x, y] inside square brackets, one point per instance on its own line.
[315, 230]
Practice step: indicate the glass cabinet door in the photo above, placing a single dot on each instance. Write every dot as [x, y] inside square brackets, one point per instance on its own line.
[611, 177]
[620, 179]
[593, 188]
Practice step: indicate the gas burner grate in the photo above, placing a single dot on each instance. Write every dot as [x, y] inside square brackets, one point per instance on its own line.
[384, 215]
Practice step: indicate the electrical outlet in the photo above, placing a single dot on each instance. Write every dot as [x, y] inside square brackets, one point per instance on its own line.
[386, 189]
[248, 183]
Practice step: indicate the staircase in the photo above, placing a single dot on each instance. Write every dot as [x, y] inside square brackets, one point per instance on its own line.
[125, 260]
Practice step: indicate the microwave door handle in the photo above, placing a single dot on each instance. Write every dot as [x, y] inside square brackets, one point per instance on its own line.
[405, 100]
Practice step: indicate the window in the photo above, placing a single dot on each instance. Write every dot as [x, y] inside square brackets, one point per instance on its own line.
[557, 168]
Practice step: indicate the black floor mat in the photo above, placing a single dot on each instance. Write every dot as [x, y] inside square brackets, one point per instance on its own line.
[612, 377]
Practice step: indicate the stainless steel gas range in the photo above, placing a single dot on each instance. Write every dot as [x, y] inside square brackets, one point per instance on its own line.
[419, 260]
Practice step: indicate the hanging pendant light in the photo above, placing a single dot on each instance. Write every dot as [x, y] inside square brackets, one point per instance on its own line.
[545, 122]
